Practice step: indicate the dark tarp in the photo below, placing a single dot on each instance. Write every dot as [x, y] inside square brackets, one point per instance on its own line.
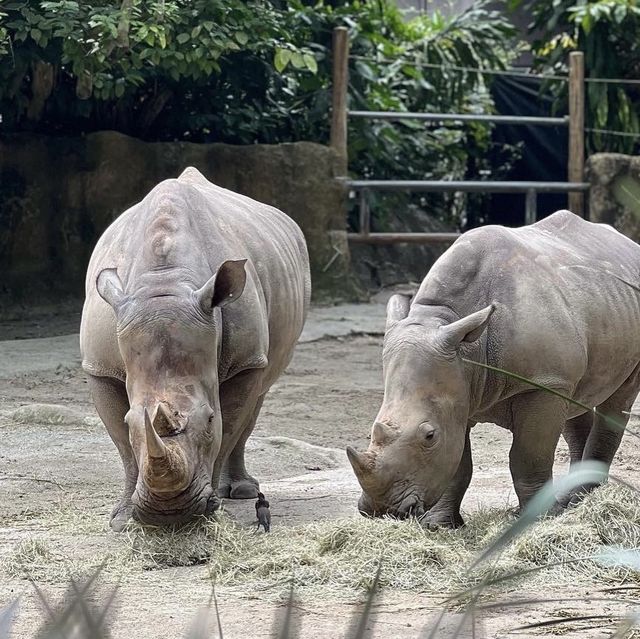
[544, 153]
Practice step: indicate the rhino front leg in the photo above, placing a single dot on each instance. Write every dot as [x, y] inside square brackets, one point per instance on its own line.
[111, 401]
[241, 405]
[236, 482]
[538, 420]
[446, 512]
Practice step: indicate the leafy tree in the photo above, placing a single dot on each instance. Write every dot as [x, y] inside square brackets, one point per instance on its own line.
[117, 64]
[607, 32]
[256, 71]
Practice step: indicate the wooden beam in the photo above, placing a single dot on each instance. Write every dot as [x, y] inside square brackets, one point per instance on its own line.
[402, 238]
[339, 96]
[576, 129]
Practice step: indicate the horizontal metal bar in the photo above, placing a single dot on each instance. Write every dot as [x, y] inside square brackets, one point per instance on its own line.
[439, 186]
[460, 117]
[402, 238]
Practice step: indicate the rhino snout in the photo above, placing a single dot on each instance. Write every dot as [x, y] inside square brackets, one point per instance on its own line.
[190, 503]
[410, 506]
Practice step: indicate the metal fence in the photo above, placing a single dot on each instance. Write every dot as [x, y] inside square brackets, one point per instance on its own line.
[574, 186]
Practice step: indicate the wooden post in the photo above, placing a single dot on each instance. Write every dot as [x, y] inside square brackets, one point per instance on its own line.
[576, 128]
[339, 95]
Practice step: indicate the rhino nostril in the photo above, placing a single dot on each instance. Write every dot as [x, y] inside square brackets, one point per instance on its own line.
[213, 504]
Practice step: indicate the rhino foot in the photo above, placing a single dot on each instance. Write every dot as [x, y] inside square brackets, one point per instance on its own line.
[434, 520]
[246, 488]
[576, 495]
[121, 515]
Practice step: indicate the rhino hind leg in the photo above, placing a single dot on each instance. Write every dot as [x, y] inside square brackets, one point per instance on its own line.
[446, 512]
[111, 402]
[235, 481]
[576, 432]
[604, 436]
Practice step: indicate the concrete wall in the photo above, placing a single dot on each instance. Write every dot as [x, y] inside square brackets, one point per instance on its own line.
[614, 197]
[57, 195]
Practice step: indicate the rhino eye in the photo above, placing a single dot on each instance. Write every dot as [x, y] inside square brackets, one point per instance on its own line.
[428, 433]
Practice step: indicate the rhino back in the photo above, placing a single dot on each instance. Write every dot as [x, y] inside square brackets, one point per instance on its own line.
[185, 228]
[566, 297]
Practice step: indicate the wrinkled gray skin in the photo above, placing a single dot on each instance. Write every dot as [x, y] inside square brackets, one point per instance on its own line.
[549, 302]
[195, 298]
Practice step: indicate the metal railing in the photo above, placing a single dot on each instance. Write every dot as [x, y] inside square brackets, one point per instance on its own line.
[575, 186]
[365, 187]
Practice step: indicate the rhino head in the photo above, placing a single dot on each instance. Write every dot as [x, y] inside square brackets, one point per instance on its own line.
[418, 436]
[169, 336]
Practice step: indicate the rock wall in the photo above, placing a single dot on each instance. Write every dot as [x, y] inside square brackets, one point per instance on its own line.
[57, 195]
[614, 197]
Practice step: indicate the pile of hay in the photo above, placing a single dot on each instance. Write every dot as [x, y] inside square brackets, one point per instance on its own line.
[333, 558]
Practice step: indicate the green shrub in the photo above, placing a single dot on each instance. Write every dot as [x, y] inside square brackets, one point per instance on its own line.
[606, 30]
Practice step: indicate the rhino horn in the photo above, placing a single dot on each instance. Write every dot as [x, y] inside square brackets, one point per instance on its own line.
[165, 467]
[382, 433]
[156, 448]
[362, 463]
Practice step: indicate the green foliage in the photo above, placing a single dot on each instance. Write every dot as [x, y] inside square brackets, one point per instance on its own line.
[125, 60]
[256, 71]
[606, 30]
[477, 38]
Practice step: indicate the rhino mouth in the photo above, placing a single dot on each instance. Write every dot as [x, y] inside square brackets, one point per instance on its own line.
[410, 506]
[160, 510]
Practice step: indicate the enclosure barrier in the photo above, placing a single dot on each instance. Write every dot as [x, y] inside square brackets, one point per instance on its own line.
[575, 186]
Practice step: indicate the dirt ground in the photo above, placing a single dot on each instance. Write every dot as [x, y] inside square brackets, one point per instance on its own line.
[53, 451]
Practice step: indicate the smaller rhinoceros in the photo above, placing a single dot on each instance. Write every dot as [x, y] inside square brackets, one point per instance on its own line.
[556, 302]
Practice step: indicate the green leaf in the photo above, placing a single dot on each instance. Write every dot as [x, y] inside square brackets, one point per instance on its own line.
[297, 60]
[281, 59]
[365, 70]
[602, 111]
[310, 62]
[36, 34]
[242, 37]
[183, 37]
[626, 191]
[119, 90]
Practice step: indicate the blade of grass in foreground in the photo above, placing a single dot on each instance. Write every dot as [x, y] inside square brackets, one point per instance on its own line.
[215, 604]
[289, 628]
[358, 629]
[6, 619]
[559, 621]
[513, 575]
[591, 409]
[586, 472]
[629, 622]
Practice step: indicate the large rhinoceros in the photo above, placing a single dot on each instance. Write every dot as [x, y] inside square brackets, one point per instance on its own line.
[556, 302]
[195, 298]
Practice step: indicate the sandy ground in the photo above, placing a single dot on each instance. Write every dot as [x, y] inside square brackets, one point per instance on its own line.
[54, 450]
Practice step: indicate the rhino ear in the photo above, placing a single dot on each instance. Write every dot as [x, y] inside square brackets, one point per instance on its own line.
[224, 287]
[109, 287]
[397, 309]
[467, 329]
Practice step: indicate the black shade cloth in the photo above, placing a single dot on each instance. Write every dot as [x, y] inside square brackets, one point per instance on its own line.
[544, 154]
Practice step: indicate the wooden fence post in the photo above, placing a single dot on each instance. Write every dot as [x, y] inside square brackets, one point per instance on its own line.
[339, 95]
[576, 129]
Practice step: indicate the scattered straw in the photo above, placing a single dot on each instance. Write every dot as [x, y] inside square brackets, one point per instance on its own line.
[335, 558]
